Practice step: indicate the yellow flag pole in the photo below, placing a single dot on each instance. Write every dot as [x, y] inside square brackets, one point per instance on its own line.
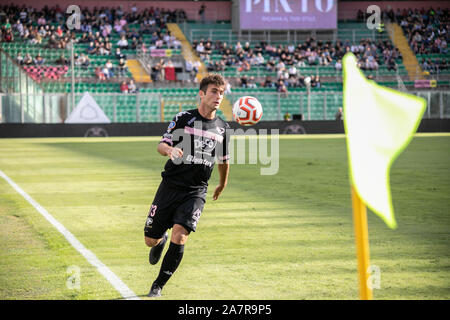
[362, 244]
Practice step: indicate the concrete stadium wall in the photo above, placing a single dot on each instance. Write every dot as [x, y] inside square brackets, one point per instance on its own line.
[32, 130]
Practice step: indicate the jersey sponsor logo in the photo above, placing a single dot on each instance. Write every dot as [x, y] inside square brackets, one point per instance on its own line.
[196, 160]
[203, 133]
[205, 146]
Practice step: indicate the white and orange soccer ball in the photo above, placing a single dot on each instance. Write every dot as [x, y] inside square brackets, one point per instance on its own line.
[247, 111]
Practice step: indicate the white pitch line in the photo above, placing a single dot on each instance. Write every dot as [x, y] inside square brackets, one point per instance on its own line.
[115, 281]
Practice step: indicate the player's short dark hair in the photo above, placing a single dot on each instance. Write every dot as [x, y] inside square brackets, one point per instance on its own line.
[212, 78]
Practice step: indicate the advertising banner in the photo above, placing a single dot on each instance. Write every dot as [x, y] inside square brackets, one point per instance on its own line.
[288, 14]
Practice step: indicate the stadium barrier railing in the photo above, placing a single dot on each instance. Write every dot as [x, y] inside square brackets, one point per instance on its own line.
[158, 107]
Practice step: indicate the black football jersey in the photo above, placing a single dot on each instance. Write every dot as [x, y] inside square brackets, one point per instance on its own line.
[202, 141]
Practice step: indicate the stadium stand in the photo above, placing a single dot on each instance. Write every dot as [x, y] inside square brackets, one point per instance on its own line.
[144, 66]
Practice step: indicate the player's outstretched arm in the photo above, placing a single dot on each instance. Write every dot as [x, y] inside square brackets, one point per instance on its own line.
[223, 173]
[166, 150]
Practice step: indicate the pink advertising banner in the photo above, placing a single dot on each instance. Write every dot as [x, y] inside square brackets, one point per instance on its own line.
[288, 14]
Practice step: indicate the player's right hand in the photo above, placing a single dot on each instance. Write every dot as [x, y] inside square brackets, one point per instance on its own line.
[175, 153]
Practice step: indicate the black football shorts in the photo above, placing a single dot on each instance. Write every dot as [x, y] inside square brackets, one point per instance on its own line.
[174, 206]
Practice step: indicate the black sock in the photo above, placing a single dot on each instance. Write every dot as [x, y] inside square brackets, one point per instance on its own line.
[170, 263]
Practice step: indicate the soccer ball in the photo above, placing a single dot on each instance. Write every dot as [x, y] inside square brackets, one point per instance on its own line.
[247, 111]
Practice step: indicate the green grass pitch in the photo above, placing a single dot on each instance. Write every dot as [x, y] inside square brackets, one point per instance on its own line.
[284, 236]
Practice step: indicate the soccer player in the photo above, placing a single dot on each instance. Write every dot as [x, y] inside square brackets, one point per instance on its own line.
[193, 140]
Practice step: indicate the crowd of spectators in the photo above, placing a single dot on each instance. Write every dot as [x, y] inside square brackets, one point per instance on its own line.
[288, 60]
[128, 87]
[48, 29]
[427, 32]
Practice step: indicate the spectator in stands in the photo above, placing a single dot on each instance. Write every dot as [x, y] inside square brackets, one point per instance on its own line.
[200, 48]
[84, 61]
[76, 60]
[132, 87]
[108, 69]
[124, 87]
[300, 82]
[122, 43]
[227, 88]
[84, 38]
[244, 66]
[19, 27]
[292, 71]
[243, 81]
[120, 55]
[159, 43]
[122, 67]
[158, 71]
[39, 60]
[118, 26]
[8, 35]
[6, 25]
[373, 64]
[62, 60]
[92, 49]
[323, 60]
[59, 31]
[28, 61]
[391, 65]
[52, 42]
[196, 65]
[338, 115]
[312, 57]
[99, 74]
[260, 60]
[338, 65]
[19, 59]
[103, 49]
[251, 83]
[134, 43]
[281, 88]
[268, 83]
[238, 47]
[41, 21]
[190, 68]
[315, 82]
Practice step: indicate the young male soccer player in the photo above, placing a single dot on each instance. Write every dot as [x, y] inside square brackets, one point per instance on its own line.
[192, 142]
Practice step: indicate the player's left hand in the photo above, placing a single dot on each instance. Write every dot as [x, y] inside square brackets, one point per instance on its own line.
[217, 192]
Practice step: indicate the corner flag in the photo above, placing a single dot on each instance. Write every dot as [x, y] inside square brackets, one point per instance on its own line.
[379, 123]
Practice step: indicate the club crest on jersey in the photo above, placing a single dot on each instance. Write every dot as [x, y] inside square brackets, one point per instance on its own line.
[172, 125]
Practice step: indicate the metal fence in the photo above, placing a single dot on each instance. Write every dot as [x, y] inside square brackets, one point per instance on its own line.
[280, 37]
[156, 107]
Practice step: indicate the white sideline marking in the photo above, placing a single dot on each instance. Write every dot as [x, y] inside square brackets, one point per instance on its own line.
[115, 281]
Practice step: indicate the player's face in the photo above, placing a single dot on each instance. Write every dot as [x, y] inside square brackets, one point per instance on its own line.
[213, 96]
